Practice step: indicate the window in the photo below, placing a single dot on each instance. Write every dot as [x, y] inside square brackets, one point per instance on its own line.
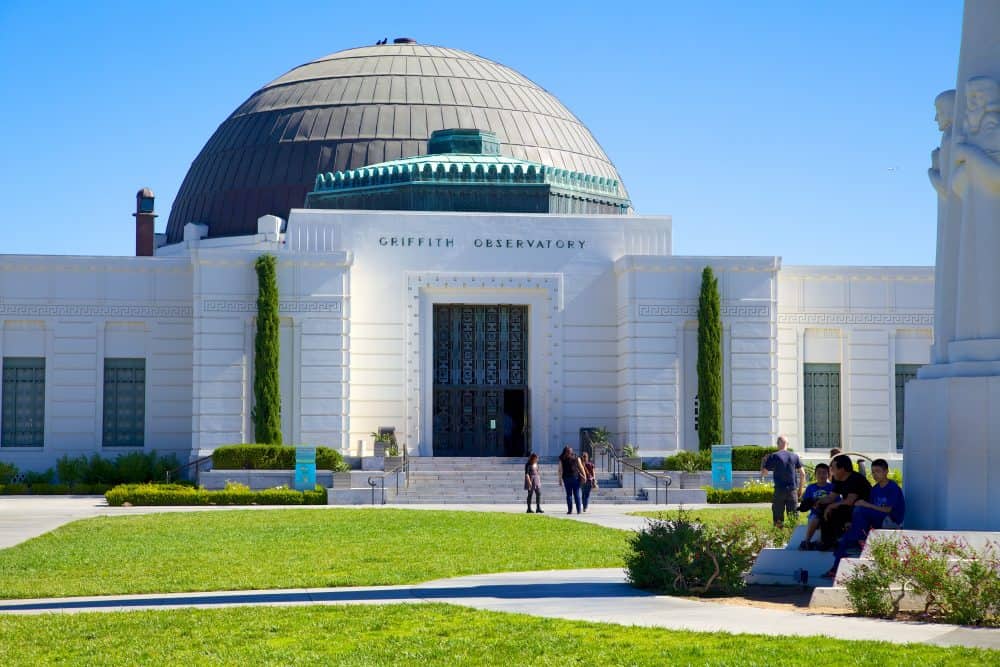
[822, 405]
[124, 402]
[904, 373]
[23, 402]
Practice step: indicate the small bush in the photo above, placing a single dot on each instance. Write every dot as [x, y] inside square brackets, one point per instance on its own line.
[7, 472]
[684, 557]
[272, 457]
[39, 478]
[127, 468]
[233, 494]
[689, 461]
[958, 583]
[751, 492]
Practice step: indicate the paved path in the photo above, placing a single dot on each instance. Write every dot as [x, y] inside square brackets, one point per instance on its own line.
[592, 595]
[587, 595]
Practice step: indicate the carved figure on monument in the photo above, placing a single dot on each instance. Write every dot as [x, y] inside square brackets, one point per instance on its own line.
[949, 219]
[975, 180]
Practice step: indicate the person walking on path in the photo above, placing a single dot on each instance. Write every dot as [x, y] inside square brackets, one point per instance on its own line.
[589, 478]
[533, 483]
[570, 474]
[786, 467]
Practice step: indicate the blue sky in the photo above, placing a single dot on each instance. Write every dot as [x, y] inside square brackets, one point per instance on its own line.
[793, 128]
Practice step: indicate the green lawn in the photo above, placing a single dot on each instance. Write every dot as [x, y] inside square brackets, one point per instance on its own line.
[238, 550]
[761, 517]
[429, 634]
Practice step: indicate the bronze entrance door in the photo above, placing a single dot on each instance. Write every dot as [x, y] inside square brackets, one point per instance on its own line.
[481, 402]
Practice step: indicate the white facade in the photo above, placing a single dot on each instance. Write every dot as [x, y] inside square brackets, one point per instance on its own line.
[612, 332]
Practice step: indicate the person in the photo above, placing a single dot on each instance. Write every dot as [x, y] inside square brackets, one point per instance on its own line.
[885, 501]
[589, 478]
[833, 452]
[818, 489]
[533, 483]
[786, 467]
[848, 488]
[570, 474]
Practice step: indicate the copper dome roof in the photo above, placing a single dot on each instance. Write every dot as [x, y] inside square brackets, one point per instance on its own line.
[360, 107]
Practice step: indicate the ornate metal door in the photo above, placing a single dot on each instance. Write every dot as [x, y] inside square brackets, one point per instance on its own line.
[480, 380]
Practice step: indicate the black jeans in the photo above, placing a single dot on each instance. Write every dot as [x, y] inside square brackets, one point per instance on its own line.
[538, 498]
[586, 488]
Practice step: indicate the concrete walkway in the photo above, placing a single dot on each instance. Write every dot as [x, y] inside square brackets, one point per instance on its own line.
[592, 595]
[587, 595]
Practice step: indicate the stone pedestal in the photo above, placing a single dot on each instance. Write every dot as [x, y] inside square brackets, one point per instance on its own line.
[951, 470]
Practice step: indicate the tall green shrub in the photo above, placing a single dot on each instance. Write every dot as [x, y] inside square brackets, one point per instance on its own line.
[266, 391]
[709, 362]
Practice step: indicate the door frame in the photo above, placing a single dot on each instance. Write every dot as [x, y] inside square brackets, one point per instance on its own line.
[541, 293]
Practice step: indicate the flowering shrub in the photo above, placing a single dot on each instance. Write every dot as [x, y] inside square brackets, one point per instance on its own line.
[958, 584]
[684, 557]
[753, 491]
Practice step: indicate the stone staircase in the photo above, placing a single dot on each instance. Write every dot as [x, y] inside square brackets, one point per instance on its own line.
[497, 480]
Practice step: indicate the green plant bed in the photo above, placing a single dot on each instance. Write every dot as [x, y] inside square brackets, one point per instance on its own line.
[272, 457]
[233, 494]
[746, 458]
[417, 634]
[239, 550]
[45, 489]
[753, 493]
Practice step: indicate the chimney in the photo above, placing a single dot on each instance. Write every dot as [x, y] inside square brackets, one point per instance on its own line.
[144, 217]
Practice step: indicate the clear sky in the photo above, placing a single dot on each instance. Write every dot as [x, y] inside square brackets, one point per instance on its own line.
[799, 128]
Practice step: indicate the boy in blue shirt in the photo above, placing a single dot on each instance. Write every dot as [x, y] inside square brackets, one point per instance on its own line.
[821, 487]
[886, 501]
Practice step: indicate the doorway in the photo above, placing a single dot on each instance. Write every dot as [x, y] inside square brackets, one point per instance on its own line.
[481, 399]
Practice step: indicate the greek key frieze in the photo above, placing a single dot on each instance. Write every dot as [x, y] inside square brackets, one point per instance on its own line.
[129, 311]
[653, 311]
[216, 306]
[917, 319]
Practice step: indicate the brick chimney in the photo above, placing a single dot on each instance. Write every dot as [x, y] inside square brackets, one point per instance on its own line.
[144, 218]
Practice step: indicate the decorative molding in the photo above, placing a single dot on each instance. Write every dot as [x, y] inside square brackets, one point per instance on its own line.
[917, 319]
[221, 306]
[130, 310]
[657, 311]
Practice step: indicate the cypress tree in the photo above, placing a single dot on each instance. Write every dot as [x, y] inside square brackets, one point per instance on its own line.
[266, 391]
[709, 362]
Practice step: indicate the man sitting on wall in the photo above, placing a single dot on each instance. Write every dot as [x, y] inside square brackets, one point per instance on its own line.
[886, 502]
[848, 488]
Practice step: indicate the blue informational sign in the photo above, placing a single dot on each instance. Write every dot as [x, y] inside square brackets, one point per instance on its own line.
[722, 466]
[305, 468]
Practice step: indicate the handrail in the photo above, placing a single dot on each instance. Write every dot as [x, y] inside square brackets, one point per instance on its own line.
[195, 463]
[618, 466]
[378, 481]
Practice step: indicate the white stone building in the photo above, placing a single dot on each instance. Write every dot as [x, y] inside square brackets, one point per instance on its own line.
[529, 325]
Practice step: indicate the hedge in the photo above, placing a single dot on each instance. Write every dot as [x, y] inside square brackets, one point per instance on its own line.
[44, 489]
[758, 493]
[179, 494]
[272, 457]
[746, 458]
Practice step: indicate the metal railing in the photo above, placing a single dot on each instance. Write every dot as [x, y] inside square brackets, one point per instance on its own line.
[197, 469]
[618, 468]
[378, 481]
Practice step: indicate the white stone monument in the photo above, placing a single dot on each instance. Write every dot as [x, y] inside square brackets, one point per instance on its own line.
[952, 434]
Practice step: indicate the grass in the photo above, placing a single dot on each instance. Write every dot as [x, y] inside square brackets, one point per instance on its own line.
[761, 517]
[239, 550]
[426, 634]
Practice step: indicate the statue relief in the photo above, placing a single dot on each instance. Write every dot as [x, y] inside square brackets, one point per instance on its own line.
[975, 179]
[944, 105]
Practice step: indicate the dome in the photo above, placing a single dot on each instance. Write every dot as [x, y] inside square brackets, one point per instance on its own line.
[364, 106]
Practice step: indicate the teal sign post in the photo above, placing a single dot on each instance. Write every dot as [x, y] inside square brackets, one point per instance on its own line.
[722, 466]
[305, 468]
